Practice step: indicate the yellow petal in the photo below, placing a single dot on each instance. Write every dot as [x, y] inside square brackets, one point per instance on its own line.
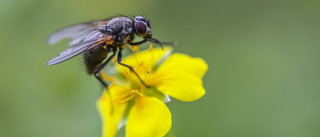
[180, 76]
[180, 86]
[149, 117]
[111, 114]
[183, 63]
[144, 59]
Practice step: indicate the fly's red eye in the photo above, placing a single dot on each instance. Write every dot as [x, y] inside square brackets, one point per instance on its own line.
[141, 28]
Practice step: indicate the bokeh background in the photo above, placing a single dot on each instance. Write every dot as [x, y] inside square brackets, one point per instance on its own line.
[263, 56]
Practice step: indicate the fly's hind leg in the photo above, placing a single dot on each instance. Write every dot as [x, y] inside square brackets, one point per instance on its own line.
[96, 71]
[131, 69]
[96, 74]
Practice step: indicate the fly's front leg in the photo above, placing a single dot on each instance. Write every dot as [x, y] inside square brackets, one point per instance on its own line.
[138, 43]
[131, 69]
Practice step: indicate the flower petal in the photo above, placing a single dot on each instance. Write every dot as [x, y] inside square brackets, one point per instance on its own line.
[111, 114]
[180, 77]
[148, 57]
[183, 63]
[181, 86]
[149, 117]
[143, 59]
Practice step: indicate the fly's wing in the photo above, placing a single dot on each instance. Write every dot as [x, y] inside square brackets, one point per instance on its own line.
[74, 51]
[77, 32]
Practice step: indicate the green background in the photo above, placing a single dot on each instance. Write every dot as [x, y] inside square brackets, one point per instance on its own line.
[263, 56]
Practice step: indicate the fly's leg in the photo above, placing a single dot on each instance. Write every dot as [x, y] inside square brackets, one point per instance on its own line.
[131, 69]
[138, 43]
[153, 41]
[96, 71]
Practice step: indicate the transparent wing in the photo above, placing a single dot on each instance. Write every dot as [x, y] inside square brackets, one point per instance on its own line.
[85, 37]
[74, 51]
[76, 32]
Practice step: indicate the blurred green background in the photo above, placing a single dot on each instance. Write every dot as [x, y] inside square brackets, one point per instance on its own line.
[263, 56]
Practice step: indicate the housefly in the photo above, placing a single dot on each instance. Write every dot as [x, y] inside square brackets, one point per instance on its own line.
[95, 39]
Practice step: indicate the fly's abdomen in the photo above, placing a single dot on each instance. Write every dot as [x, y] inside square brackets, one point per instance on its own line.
[94, 57]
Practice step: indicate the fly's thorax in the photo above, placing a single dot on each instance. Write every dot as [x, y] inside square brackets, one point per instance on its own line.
[119, 26]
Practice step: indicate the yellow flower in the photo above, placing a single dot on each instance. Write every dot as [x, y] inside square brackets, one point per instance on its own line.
[142, 109]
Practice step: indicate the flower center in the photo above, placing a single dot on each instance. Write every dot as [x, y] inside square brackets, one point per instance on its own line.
[135, 87]
[133, 94]
[141, 67]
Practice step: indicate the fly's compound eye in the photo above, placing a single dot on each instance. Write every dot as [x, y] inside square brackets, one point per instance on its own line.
[141, 28]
